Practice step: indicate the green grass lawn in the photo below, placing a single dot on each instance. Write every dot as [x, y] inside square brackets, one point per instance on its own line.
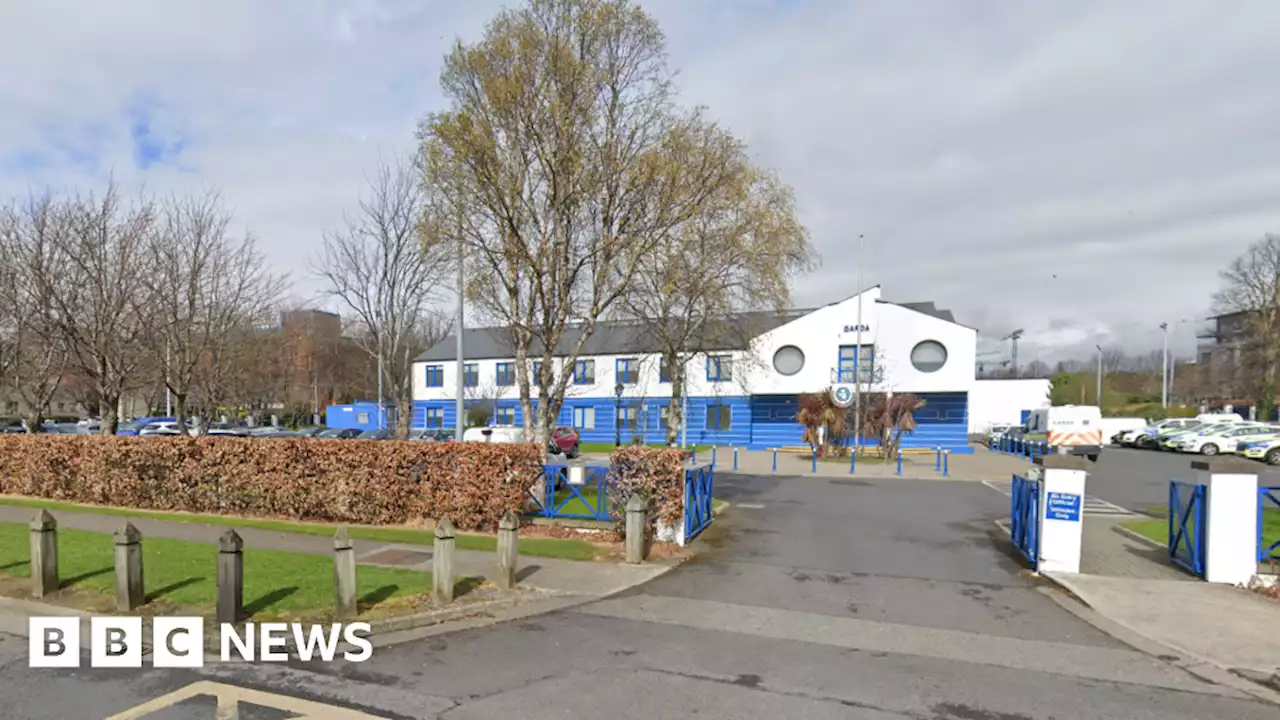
[1158, 529]
[575, 505]
[184, 574]
[536, 547]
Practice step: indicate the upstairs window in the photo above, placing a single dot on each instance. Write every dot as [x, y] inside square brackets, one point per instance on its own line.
[505, 375]
[584, 372]
[719, 368]
[471, 375]
[628, 371]
[864, 360]
[435, 376]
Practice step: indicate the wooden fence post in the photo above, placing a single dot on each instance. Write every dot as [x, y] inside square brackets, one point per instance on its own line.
[44, 554]
[230, 577]
[344, 575]
[637, 520]
[508, 549]
[129, 587]
[442, 560]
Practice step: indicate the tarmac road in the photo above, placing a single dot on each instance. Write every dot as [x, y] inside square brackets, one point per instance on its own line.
[814, 597]
[1138, 479]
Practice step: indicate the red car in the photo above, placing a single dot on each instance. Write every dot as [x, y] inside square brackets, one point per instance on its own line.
[564, 441]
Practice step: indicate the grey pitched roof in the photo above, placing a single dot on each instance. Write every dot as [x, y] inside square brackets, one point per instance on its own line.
[928, 308]
[617, 337]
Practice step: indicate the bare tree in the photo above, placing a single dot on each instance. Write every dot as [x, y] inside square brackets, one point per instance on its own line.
[739, 253]
[1251, 286]
[378, 269]
[559, 167]
[208, 287]
[90, 272]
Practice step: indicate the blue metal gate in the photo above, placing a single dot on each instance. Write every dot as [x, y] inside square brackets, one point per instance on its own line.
[1265, 495]
[1186, 526]
[560, 498]
[697, 499]
[1024, 511]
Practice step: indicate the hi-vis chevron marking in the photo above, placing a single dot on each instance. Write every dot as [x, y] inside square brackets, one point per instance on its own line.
[1077, 437]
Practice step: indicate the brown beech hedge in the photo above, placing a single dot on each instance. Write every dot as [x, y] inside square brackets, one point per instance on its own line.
[656, 474]
[354, 481]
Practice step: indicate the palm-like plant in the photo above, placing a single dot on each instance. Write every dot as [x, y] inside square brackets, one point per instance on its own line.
[887, 418]
[823, 421]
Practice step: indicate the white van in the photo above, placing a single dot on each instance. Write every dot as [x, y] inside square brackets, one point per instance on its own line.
[1075, 427]
[1208, 418]
[497, 434]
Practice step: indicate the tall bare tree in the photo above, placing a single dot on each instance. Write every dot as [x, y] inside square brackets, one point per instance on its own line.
[739, 253]
[1251, 286]
[208, 286]
[378, 270]
[560, 165]
[91, 274]
[33, 355]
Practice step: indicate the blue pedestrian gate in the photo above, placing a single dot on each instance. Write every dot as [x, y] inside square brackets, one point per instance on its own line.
[1186, 526]
[1024, 511]
[697, 499]
[560, 498]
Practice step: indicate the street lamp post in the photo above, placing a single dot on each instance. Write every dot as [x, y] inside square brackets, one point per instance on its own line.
[617, 414]
[1164, 368]
[1099, 395]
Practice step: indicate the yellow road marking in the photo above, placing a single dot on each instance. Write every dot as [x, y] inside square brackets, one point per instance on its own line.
[230, 696]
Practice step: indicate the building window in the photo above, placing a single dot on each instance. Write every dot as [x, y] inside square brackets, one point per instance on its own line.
[584, 372]
[435, 376]
[470, 375]
[664, 370]
[865, 360]
[537, 373]
[928, 356]
[788, 360]
[664, 416]
[584, 418]
[505, 375]
[628, 417]
[504, 416]
[434, 417]
[719, 368]
[719, 417]
[628, 371]
[362, 418]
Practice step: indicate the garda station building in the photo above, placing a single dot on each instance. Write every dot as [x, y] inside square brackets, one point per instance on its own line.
[744, 389]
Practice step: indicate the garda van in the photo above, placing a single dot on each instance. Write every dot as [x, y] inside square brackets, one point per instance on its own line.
[1078, 428]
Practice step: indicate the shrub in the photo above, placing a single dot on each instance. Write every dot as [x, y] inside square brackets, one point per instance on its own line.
[657, 474]
[361, 482]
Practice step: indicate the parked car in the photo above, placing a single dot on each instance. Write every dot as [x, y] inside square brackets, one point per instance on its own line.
[1170, 441]
[162, 428]
[376, 434]
[997, 432]
[134, 426]
[1225, 438]
[339, 433]
[564, 441]
[275, 432]
[221, 428]
[1268, 451]
[1145, 437]
[496, 433]
[308, 431]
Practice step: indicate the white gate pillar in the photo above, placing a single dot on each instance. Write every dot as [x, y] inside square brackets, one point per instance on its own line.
[1061, 516]
[1231, 518]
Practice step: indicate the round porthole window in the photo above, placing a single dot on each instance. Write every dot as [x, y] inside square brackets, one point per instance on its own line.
[788, 360]
[928, 356]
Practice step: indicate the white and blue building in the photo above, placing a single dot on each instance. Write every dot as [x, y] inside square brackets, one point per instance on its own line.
[741, 391]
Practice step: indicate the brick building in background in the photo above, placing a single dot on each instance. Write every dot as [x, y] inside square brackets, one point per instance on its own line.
[1224, 357]
[322, 366]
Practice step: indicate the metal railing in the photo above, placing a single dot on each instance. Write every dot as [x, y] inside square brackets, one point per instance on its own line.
[1187, 526]
[698, 488]
[1267, 495]
[1024, 512]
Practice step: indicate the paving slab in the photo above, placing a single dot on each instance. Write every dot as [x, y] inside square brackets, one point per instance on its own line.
[1226, 626]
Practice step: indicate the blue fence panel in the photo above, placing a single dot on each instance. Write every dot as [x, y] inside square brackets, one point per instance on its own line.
[698, 486]
[1024, 510]
[1267, 495]
[1186, 526]
[561, 498]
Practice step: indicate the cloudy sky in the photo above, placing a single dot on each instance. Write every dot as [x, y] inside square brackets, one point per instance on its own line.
[1080, 169]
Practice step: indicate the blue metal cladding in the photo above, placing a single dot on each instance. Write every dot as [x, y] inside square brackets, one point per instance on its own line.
[756, 422]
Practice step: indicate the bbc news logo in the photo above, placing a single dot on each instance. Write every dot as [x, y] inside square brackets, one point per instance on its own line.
[178, 642]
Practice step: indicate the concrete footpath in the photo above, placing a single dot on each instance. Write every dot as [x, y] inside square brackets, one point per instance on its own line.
[566, 577]
[1130, 581]
[978, 466]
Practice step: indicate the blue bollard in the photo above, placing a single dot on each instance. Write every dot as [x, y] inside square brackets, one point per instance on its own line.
[937, 459]
[853, 459]
[735, 459]
[899, 462]
[713, 456]
[946, 456]
[815, 461]
[693, 456]
[775, 460]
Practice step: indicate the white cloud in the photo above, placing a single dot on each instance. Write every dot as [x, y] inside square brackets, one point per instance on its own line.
[983, 147]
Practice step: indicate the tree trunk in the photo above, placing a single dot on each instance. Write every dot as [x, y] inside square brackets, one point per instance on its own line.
[675, 412]
[404, 415]
[180, 411]
[108, 413]
[33, 419]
